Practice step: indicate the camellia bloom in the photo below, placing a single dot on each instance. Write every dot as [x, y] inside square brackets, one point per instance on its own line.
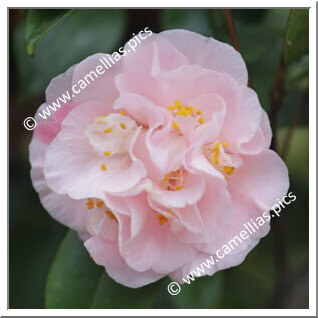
[161, 160]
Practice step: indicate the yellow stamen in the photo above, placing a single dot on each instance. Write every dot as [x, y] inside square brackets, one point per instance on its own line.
[228, 170]
[162, 219]
[107, 153]
[123, 126]
[90, 204]
[111, 215]
[174, 180]
[108, 130]
[199, 112]
[99, 203]
[170, 212]
[175, 125]
[216, 149]
[201, 120]
[170, 107]
[177, 104]
[123, 112]
[101, 116]
[103, 167]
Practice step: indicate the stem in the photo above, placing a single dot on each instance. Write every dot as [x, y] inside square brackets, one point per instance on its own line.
[138, 19]
[233, 35]
[231, 29]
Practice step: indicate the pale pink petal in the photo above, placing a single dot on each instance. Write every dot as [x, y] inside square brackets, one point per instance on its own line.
[191, 193]
[152, 55]
[68, 211]
[141, 109]
[81, 174]
[209, 53]
[183, 219]
[216, 210]
[166, 147]
[141, 67]
[145, 248]
[99, 87]
[105, 253]
[146, 245]
[46, 130]
[263, 178]
[59, 85]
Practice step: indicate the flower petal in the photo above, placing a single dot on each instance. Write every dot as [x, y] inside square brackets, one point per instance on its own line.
[263, 178]
[105, 253]
[95, 86]
[209, 53]
[68, 211]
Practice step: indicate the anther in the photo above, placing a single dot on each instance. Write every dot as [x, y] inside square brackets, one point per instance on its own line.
[108, 130]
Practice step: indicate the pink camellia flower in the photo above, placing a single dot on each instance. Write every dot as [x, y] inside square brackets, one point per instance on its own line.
[161, 160]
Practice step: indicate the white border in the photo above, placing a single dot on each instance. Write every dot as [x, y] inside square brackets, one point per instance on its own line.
[312, 166]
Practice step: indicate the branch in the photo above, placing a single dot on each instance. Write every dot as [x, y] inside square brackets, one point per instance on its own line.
[233, 35]
[231, 29]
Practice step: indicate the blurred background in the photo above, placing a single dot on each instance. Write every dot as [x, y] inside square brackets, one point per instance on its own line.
[274, 45]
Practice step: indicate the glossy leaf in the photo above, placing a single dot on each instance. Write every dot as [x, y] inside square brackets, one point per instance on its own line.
[83, 33]
[39, 22]
[204, 292]
[75, 281]
[297, 39]
[73, 277]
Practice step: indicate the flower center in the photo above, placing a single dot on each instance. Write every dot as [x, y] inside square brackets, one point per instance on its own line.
[91, 203]
[225, 163]
[174, 180]
[178, 110]
[109, 135]
[161, 218]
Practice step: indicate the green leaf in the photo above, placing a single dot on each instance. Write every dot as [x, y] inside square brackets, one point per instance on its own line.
[204, 292]
[73, 277]
[39, 22]
[297, 36]
[34, 238]
[297, 159]
[83, 33]
[75, 281]
[112, 295]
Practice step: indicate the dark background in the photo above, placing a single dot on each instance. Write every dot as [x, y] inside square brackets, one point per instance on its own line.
[275, 273]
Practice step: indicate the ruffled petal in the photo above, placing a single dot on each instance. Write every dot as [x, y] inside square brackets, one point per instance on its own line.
[93, 86]
[191, 192]
[105, 253]
[141, 109]
[81, 175]
[154, 55]
[209, 53]
[263, 179]
[68, 211]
